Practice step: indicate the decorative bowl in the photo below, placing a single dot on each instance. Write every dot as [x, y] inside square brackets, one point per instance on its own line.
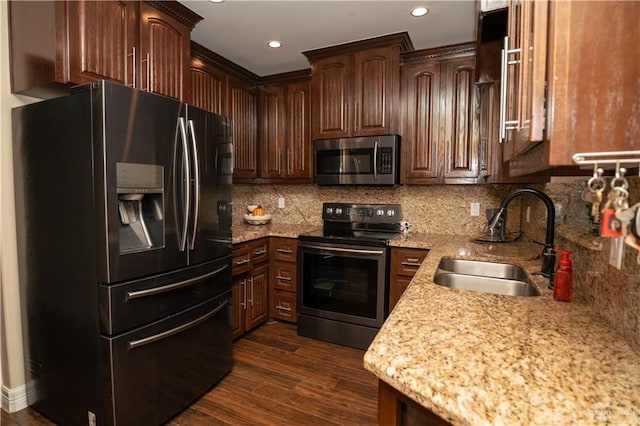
[257, 220]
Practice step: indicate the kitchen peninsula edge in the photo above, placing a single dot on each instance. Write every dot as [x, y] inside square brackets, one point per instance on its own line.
[476, 358]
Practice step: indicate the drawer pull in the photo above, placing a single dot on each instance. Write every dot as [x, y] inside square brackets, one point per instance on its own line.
[257, 253]
[156, 290]
[286, 251]
[241, 262]
[278, 277]
[413, 259]
[282, 308]
[410, 264]
[160, 336]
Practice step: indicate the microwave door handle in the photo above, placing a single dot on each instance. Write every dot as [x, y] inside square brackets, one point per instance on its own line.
[375, 160]
[187, 190]
[196, 184]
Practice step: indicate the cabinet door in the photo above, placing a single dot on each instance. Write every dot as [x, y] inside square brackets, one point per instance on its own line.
[242, 111]
[372, 92]
[239, 299]
[272, 131]
[257, 297]
[298, 128]
[165, 53]
[460, 132]
[331, 83]
[101, 41]
[421, 93]
[208, 88]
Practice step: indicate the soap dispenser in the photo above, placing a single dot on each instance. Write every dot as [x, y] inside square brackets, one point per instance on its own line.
[563, 278]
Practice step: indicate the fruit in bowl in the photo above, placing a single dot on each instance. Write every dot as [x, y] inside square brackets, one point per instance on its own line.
[251, 208]
[258, 211]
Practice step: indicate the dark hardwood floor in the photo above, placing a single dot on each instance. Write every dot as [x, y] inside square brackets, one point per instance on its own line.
[278, 378]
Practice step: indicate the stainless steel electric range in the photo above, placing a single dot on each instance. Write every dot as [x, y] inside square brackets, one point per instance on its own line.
[343, 272]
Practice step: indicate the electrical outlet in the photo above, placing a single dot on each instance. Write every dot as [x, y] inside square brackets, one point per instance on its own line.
[475, 209]
[617, 252]
[528, 215]
[281, 203]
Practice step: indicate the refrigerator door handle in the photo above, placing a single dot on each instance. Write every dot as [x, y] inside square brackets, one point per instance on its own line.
[187, 187]
[160, 336]
[196, 184]
[170, 287]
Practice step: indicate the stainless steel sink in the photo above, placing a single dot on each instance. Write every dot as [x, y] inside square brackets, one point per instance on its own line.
[485, 277]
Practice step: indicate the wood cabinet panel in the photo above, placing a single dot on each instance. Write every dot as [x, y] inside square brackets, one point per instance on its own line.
[257, 296]
[92, 55]
[272, 131]
[405, 262]
[243, 113]
[165, 46]
[331, 85]
[461, 134]
[208, 88]
[284, 249]
[283, 306]
[239, 295]
[373, 87]
[260, 251]
[298, 131]
[283, 276]
[420, 142]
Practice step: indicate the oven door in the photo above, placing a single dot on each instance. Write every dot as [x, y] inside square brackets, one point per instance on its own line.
[342, 282]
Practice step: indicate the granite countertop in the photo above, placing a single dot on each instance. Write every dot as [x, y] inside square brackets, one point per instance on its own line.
[475, 358]
[245, 232]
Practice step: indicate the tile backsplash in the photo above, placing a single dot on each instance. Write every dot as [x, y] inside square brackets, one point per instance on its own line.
[442, 209]
[613, 293]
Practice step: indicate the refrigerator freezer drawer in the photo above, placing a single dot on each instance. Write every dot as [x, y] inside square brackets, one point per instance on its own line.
[154, 372]
[135, 303]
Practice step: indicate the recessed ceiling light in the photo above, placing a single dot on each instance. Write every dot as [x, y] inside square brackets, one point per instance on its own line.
[216, 1]
[275, 44]
[419, 11]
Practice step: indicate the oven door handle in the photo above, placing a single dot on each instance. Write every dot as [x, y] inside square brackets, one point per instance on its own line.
[345, 250]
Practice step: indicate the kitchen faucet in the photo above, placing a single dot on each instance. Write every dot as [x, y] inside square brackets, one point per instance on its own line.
[548, 254]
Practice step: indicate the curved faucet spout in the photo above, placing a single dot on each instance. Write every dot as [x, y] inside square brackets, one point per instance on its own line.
[548, 255]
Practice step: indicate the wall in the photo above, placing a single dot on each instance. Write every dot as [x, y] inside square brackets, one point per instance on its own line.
[613, 293]
[11, 357]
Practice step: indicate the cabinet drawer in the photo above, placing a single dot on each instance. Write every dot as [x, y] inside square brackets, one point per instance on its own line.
[260, 251]
[283, 276]
[241, 259]
[285, 249]
[407, 261]
[283, 306]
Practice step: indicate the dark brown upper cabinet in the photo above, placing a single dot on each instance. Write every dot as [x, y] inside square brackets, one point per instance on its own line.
[356, 87]
[568, 89]
[57, 44]
[440, 116]
[223, 87]
[284, 133]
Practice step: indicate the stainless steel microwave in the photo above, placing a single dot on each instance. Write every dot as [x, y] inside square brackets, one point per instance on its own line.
[367, 160]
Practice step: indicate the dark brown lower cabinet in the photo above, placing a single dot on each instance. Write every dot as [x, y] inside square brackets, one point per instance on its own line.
[395, 409]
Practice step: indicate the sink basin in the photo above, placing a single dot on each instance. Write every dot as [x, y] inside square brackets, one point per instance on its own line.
[485, 277]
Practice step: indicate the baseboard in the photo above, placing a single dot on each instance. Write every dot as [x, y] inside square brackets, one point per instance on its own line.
[14, 399]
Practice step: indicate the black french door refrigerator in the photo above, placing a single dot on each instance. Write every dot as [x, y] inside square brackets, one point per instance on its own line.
[123, 205]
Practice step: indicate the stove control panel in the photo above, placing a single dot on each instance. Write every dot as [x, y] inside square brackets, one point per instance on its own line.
[363, 213]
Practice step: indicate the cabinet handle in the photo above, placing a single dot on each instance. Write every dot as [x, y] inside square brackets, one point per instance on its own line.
[282, 308]
[278, 277]
[284, 251]
[259, 252]
[148, 61]
[133, 66]
[244, 294]
[413, 259]
[505, 62]
[375, 160]
[410, 264]
[345, 115]
[288, 162]
[251, 281]
[356, 118]
[241, 262]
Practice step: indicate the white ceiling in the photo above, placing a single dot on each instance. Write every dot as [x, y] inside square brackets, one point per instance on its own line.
[240, 29]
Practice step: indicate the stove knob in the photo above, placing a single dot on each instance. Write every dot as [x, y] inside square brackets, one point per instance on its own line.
[338, 211]
[329, 210]
[379, 212]
[391, 213]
